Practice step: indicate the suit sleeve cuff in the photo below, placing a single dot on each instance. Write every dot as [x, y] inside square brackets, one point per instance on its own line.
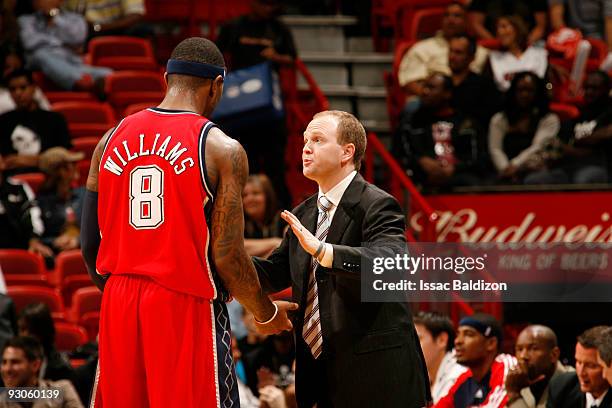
[328, 256]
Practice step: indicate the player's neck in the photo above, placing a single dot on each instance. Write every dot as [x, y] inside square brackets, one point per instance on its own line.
[182, 102]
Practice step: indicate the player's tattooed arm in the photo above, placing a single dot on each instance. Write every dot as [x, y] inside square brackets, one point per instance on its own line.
[227, 167]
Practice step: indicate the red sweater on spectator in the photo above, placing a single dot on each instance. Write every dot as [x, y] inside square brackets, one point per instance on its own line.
[491, 393]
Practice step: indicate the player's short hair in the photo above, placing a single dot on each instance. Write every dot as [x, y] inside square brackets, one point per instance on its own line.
[19, 73]
[31, 347]
[436, 324]
[472, 45]
[350, 130]
[195, 49]
[590, 338]
[604, 346]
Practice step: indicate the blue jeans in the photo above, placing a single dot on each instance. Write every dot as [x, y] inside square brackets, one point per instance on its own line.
[63, 67]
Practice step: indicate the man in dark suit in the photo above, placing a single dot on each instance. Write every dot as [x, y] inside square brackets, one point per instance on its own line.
[587, 387]
[349, 353]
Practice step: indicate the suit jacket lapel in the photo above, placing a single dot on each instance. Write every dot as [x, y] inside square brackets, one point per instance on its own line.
[344, 212]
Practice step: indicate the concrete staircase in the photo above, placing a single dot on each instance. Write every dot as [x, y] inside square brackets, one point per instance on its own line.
[347, 70]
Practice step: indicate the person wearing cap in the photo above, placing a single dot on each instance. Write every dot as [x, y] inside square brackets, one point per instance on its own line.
[587, 387]
[538, 362]
[59, 202]
[477, 346]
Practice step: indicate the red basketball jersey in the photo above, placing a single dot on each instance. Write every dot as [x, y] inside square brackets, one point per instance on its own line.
[152, 202]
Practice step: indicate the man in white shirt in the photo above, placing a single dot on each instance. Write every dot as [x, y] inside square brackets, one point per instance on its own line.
[437, 337]
[349, 353]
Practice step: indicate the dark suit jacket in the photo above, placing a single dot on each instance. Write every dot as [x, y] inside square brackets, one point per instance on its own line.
[564, 392]
[371, 354]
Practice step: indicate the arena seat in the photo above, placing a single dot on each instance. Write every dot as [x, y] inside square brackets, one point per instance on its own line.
[86, 144]
[122, 53]
[85, 300]
[21, 261]
[69, 336]
[125, 88]
[86, 118]
[564, 111]
[425, 23]
[34, 279]
[395, 95]
[137, 107]
[34, 180]
[62, 96]
[71, 284]
[69, 263]
[91, 322]
[25, 295]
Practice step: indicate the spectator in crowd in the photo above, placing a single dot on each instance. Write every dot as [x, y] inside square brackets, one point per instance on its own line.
[111, 17]
[483, 15]
[11, 51]
[247, 399]
[437, 336]
[604, 354]
[537, 354]
[52, 40]
[477, 347]
[21, 225]
[8, 316]
[592, 17]
[21, 363]
[28, 131]
[270, 362]
[263, 227]
[59, 202]
[12, 63]
[443, 147]
[431, 55]
[35, 320]
[473, 94]
[515, 55]
[584, 144]
[519, 133]
[586, 387]
[246, 41]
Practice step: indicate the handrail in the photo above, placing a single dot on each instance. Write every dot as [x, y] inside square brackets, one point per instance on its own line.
[312, 84]
[429, 229]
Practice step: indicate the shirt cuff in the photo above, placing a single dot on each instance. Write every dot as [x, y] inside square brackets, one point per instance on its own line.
[328, 256]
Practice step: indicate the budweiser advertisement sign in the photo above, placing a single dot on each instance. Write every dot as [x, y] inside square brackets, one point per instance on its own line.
[573, 217]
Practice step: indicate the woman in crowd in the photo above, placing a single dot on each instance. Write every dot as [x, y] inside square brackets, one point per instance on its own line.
[515, 55]
[263, 228]
[519, 134]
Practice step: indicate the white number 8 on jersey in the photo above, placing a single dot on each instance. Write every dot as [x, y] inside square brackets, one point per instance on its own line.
[146, 197]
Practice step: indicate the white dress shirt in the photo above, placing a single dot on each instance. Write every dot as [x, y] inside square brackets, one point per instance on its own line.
[334, 195]
[592, 402]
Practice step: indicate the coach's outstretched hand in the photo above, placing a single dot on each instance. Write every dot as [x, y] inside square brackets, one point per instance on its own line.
[280, 321]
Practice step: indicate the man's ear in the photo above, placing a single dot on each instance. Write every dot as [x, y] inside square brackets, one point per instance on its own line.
[492, 344]
[442, 340]
[166, 78]
[217, 86]
[348, 152]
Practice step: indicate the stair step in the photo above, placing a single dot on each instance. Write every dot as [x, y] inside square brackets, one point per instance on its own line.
[301, 20]
[356, 91]
[359, 44]
[347, 57]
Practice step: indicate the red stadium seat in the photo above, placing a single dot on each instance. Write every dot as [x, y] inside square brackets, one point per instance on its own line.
[25, 295]
[129, 87]
[86, 144]
[396, 97]
[34, 180]
[564, 111]
[20, 261]
[69, 336]
[68, 263]
[71, 284]
[86, 118]
[406, 12]
[91, 322]
[62, 96]
[85, 300]
[136, 107]
[426, 22]
[122, 53]
[28, 280]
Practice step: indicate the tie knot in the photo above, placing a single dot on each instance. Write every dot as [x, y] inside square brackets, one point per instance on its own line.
[324, 204]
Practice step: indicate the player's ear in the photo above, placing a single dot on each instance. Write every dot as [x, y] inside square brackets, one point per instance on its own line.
[166, 78]
[217, 86]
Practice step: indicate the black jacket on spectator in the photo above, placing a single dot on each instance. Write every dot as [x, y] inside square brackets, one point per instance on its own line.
[477, 97]
[31, 133]
[19, 216]
[564, 392]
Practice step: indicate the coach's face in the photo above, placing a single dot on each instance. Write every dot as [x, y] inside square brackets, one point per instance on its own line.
[322, 156]
[590, 373]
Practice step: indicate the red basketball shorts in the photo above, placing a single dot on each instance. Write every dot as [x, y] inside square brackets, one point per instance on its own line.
[161, 349]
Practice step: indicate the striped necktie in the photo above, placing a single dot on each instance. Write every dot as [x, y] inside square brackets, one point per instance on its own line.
[312, 333]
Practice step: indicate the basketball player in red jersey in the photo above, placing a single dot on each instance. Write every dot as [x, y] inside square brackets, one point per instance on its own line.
[165, 189]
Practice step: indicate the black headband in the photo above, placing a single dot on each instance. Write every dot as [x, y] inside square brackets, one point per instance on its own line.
[197, 69]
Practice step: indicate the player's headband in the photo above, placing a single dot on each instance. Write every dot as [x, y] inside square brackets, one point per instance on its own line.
[197, 69]
[484, 328]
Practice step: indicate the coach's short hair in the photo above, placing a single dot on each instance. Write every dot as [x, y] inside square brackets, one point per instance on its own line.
[436, 324]
[350, 130]
[604, 346]
[195, 49]
[590, 338]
